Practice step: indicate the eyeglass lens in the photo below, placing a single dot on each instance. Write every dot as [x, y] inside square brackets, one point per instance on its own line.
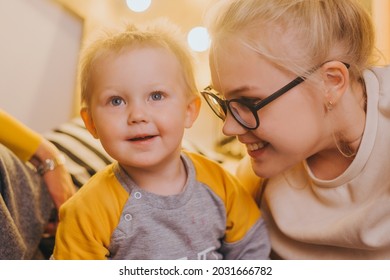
[242, 114]
[218, 105]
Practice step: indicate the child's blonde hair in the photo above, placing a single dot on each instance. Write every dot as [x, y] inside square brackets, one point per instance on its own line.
[305, 33]
[162, 34]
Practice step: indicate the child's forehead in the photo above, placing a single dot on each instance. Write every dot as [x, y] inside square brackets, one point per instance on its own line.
[159, 60]
[136, 48]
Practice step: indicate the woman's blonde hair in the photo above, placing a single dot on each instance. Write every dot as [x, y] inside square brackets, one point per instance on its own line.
[161, 34]
[298, 34]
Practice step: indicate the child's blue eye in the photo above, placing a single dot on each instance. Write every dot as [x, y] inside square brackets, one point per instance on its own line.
[117, 101]
[156, 96]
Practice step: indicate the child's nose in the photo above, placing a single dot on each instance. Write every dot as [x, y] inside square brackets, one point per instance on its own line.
[138, 113]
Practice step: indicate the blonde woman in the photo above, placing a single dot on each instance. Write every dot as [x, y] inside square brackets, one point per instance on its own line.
[301, 93]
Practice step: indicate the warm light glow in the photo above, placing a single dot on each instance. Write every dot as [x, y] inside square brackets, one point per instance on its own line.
[380, 16]
[198, 39]
[138, 5]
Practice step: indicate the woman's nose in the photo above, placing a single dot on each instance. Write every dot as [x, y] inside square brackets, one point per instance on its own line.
[231, 127]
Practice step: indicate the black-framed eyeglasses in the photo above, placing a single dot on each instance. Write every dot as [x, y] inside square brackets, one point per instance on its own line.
[244, 110]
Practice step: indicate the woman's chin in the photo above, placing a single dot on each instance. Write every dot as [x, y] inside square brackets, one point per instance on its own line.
[265, 170]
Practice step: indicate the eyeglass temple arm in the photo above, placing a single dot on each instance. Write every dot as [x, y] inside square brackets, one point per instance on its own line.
[289, 86]
[280, 92]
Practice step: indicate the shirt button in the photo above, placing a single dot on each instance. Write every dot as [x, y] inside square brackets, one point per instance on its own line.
[137, 195]
[128, 217]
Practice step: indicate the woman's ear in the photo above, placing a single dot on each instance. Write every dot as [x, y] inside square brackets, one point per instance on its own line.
[88, 121]
[193, 108]
[336, 80]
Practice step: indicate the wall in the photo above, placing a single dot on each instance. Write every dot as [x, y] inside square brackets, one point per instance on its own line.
[380, 13]
[38, 55]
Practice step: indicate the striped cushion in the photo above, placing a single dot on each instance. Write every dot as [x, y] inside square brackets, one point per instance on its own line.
[84, 154]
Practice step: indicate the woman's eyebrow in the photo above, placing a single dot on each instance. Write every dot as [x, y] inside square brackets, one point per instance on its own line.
[238, 91]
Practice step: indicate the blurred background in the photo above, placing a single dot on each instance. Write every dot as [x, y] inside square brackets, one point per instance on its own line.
[41, 40]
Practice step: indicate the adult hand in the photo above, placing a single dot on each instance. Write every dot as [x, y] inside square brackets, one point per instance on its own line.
[58, 180]
[59, 185]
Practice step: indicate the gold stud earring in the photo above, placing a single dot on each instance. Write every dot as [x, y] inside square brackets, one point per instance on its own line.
[329, 106]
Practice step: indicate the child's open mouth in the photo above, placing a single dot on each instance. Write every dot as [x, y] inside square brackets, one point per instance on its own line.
[143, 138]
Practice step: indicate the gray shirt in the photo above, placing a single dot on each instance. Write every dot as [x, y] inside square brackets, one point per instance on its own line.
[190, 225]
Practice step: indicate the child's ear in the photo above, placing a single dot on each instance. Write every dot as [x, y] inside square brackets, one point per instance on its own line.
[193, 108]
[336, 80]
[88, 121]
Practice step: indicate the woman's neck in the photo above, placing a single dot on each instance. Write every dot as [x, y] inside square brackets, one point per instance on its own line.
[345, 135]
[329, 165]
